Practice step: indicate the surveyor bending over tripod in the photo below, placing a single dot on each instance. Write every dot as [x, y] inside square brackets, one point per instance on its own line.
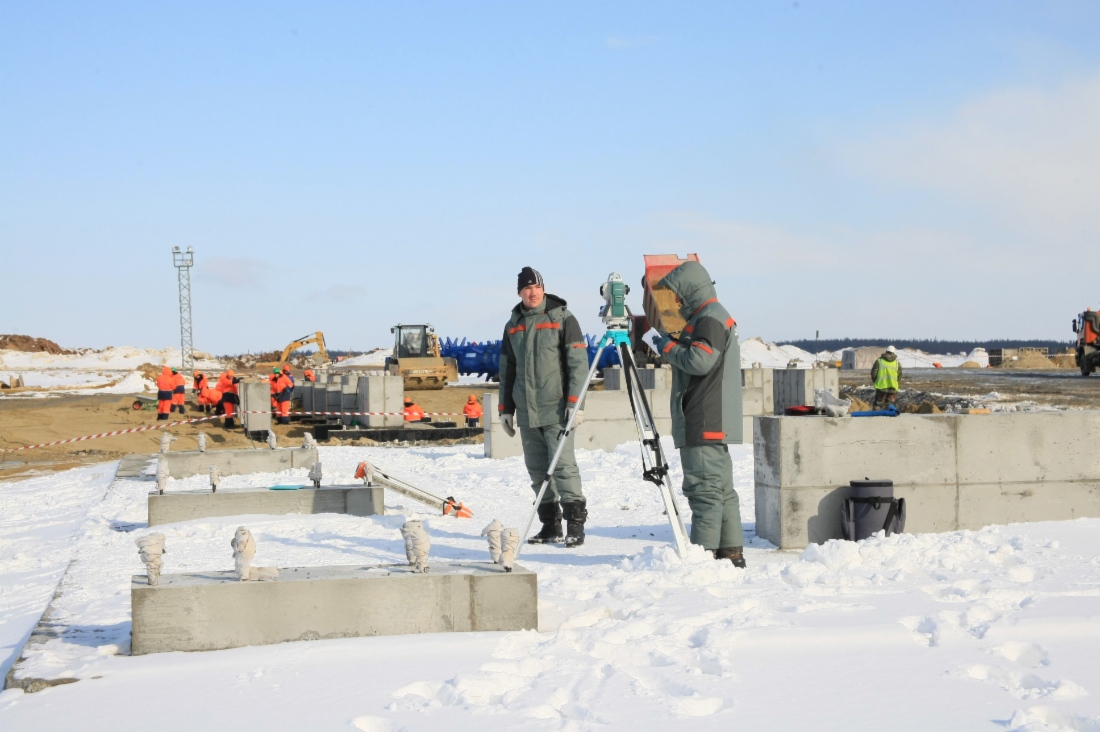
[543, 366]
[706, 409]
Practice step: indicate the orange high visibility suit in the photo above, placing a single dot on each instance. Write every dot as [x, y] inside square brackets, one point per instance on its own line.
[209, 397]
[165, 384]
[272, 381]
[284, 389]
[309, 376]
[413, 412]
[472, 410]
[227, 385]
[199, 383]
[179, 392]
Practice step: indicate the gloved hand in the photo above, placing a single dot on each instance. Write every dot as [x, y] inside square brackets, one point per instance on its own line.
[662, 341]
[508, 422]
[578, 420]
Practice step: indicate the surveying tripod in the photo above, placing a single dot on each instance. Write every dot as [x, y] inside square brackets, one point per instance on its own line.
[616, 317]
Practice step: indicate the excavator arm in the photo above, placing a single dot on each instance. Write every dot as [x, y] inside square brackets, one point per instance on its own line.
[318, 338]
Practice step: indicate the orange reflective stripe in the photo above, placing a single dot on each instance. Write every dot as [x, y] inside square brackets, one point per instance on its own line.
[704, 346]
[573, 400]
[714, 435]
[517, 329]
[730, 322]
[708, 302]
[579, 345]
[668, 347]
[689, 328]
[500, 407]
[548, 326]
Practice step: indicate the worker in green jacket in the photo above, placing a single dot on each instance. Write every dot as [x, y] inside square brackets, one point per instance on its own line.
[886, 375]
[543, 366]
[706, 409]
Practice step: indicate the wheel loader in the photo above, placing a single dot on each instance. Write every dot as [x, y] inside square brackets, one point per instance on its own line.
[1087, 327]
[417, 358]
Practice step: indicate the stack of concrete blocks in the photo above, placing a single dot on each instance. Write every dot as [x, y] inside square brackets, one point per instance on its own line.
[860, 359]
[757, 397]
[796, 387]
[381, 393]
[207, 611]
[954, 471]
[356, 391]
[255, 405]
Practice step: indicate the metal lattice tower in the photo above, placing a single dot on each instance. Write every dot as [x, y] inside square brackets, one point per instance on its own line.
[182, 262]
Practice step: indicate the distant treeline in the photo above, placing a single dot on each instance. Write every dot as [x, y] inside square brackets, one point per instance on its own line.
[928, 345]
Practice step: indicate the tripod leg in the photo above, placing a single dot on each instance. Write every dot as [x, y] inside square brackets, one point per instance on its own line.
[561, 445]
[655, 467]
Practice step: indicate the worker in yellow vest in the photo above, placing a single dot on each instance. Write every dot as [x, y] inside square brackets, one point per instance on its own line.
[886, 375]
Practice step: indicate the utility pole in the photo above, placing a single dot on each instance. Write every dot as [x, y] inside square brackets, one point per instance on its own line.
[182, 261]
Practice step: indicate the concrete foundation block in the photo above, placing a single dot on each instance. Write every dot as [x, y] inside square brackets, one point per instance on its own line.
[255, 405]
[186, 463]
[353, 500]
[796, 387]
[205, 611]
[954, 471]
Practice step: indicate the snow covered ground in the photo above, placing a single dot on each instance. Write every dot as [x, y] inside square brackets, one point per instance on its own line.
[996, 629]
[110, 371]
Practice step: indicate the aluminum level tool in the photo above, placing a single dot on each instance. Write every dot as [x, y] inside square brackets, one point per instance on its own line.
[449, 506]
[616, 317]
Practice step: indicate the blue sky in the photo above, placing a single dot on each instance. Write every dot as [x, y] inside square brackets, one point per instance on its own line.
[859, 168]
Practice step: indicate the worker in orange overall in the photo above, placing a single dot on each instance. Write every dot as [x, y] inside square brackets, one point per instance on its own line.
[165, 384]
[179, 391]
[413, 412]
[209, 398]
[198, 383]
[472, 410]
[284, 389]
[227, 385]
[272, 380]
[309, 375]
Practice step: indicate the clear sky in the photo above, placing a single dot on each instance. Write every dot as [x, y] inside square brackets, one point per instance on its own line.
[871, 169]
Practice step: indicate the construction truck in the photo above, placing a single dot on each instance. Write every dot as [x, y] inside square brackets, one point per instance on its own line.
[1087, 328]
[417, 358]
[320, 358]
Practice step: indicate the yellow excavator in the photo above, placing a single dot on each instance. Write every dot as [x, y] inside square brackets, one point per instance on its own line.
[320, 358]
[418, 360]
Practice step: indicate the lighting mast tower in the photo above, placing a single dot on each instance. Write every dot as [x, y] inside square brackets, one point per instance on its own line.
[182, 262]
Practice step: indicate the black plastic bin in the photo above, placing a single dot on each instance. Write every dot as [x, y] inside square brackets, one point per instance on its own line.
[870, 509]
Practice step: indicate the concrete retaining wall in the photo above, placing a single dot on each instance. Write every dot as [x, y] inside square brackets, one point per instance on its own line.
[354, 500]
[954, 471]
[206, 611]
[186, 463]
[796, 387]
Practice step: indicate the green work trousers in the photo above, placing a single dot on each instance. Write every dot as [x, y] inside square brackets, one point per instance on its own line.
[708, 487]
[539, 444]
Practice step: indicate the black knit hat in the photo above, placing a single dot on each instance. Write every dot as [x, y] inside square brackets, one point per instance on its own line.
[529, 276]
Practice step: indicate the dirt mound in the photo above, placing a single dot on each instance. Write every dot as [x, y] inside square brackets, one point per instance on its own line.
[27, 344]
[149, 371]
[970, 365]
[1065, 361]
[1029, 361]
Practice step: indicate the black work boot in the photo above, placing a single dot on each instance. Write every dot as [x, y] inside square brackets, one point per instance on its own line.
[733, 554]
[575, 513]
[550, 516]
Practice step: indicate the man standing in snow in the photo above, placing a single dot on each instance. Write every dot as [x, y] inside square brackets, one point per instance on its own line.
[886, 375]
[543, 365]
[706, 409]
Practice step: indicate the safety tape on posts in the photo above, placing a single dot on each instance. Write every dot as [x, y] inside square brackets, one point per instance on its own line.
[147, 428]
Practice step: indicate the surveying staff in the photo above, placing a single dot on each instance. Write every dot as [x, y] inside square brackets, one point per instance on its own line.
[886, 375]
[543, 366]
[179, 391]
[165, 384]
[706, 409]
[472, 410]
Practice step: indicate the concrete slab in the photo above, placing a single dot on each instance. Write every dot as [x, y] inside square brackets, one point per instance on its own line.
[255, 405]
[206, 611]
[355, 500]
[954, 471]
[186, 463]
[796, 387]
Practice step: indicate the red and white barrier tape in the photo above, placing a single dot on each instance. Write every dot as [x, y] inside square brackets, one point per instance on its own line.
[219, 416]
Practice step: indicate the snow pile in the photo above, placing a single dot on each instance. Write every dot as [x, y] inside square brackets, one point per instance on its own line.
[374, 359]
[913, 359]
[990, 629]
[769, 355]
[124, 358]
